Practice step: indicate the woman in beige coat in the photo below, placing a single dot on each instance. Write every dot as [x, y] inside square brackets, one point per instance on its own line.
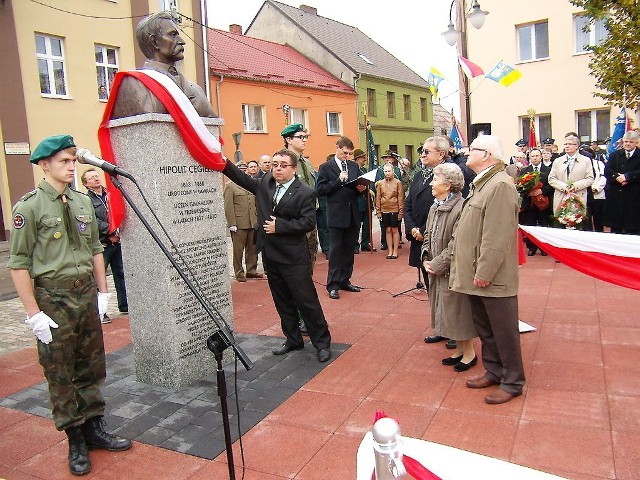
[450, 311]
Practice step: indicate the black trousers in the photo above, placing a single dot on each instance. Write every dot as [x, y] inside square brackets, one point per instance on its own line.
[292, 288]
[341, 256]
[113, 257]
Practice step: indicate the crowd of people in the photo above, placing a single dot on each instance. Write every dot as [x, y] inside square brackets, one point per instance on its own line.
[461, 215]
[582, 182]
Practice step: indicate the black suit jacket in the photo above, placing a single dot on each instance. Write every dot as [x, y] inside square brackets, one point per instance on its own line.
[295, 216]
[546, 188]
[622, 205]
[342, 199]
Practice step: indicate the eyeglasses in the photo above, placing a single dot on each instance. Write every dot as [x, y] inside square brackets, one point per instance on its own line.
[281, 165]
[301, 137]
[575, 144]
[347, 152]
[474, 149]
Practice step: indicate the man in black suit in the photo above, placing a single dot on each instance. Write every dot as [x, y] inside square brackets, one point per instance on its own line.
[529, 213]
[621, 211]
[286, 212]
[343, 215]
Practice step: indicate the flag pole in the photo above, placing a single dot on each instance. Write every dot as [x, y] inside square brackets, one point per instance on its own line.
[370, 160]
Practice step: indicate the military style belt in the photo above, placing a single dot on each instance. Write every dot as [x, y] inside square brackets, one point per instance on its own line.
[67, 284]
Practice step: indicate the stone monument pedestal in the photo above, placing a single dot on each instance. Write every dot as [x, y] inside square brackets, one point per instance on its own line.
[169, 327]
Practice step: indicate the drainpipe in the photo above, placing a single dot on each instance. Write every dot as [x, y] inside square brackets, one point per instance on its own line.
[218, 95]
[203, 7]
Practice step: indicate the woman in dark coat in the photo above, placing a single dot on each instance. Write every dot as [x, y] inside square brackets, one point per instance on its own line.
[450, 311]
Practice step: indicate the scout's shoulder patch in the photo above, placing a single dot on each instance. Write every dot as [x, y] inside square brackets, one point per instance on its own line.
[78, 191]
[28, 195]
[18, 221]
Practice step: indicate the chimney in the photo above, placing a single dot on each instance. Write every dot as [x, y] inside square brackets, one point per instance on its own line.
[308, 9]
[235, 28]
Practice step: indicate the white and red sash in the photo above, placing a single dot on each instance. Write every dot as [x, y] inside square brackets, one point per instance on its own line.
[203, 147]
[610, 257]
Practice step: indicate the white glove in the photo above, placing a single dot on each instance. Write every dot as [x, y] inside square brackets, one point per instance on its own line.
[233, 229]
[103, 302]
[41, 325]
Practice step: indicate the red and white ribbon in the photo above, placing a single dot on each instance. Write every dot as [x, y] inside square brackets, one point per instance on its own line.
[203, 147]
[610, 257]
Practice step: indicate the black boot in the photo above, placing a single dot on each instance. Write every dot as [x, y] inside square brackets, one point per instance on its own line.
[96, 437]
[79, 462]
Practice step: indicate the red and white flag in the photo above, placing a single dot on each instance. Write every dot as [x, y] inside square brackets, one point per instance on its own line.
[610, 257]
[469, 68]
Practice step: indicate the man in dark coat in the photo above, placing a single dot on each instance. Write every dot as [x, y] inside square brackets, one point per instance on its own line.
[621, 211]
[286, 212]
[343, 215]
[529, 213]
[434, 152]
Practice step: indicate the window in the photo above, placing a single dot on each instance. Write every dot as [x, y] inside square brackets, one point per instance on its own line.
[595, 34]
[408, 153]
[533, 41]
[106, 69]
[542, 124]
[168, 5]
[297, 115]
[364, 57]
[253, 118]
[391, 104]
[51, 69]
[423, 109]
[334, 123]
[406, 100]
[593, 125]
[371, 102]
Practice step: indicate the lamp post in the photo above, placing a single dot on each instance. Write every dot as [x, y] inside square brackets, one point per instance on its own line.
[476, 17]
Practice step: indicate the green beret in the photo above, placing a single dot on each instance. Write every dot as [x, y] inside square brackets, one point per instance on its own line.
[292, 129]
[357, 153]
[50, 146]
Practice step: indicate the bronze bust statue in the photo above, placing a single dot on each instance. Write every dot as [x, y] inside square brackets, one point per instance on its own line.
[160, 41]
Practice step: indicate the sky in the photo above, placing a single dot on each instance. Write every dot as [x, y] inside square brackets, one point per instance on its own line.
[410, 31]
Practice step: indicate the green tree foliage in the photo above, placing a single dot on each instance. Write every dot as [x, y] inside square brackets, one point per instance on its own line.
[615, 63]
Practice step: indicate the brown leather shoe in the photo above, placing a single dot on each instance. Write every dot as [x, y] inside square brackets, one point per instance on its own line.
[241, 278]
[480, 382]
[255, 275]
[498, 397]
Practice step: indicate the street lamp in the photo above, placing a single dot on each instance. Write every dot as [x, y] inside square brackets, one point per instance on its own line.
[476, 17]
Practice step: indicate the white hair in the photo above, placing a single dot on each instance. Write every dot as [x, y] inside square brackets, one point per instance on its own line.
[492, 144]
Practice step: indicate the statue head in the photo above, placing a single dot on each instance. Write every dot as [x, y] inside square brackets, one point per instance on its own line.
[159, 39]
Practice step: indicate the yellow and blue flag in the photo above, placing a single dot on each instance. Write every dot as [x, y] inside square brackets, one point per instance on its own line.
[503, 74]
[433, 80]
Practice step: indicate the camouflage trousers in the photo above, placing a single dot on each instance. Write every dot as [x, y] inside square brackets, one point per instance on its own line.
[74, 362]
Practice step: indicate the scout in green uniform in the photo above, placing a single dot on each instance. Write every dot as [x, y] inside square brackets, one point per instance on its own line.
[54, 241]
[295, 139]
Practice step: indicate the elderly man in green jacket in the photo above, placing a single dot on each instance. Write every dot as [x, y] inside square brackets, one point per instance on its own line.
[484, 266]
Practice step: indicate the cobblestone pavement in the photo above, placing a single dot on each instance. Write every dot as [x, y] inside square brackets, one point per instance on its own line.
[14, 334]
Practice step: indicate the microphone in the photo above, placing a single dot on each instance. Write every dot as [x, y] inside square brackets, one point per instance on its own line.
[85, 157]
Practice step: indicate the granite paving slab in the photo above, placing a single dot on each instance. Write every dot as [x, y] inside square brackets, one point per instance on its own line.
[190, 420]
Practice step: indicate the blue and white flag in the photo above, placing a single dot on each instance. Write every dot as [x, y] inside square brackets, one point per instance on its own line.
[619, 130]
[456, 137]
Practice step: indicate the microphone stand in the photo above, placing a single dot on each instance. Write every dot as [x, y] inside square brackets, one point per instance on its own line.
[217, 343]
[419, 285]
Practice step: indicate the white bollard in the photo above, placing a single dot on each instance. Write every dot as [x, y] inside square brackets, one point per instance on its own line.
[387, 446]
